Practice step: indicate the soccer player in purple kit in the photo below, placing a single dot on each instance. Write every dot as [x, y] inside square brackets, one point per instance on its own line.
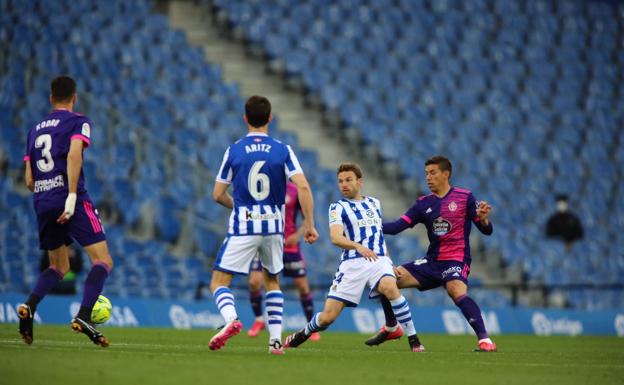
[448, 213]
[64, 210]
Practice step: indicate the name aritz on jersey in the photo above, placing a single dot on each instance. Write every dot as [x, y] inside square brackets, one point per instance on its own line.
[257, 147]
[49, 184]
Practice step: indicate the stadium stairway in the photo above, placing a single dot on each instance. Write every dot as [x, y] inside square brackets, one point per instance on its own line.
[254, 76]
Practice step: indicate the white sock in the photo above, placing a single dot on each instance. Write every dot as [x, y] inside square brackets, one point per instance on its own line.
[402, 313]
[274, 301]
[489, 341]
[225, 303]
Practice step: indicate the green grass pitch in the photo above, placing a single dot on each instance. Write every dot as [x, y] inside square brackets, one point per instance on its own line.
[149, 356]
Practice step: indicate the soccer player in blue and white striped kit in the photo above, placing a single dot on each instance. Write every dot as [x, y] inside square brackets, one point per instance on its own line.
[355, 226]
[258, 167]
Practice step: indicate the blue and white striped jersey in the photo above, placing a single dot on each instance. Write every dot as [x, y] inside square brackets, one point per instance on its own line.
[361, 221]
[258, 167]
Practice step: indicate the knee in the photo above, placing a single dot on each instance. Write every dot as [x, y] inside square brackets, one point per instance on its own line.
[388, 288]
[105, 260]
[456, 292]
[62, 269]
[255, 283]
[254, 286]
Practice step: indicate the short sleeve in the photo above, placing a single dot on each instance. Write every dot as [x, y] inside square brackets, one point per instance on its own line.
[292, 166]
[225, 171]
[335, 214]
[82, 131]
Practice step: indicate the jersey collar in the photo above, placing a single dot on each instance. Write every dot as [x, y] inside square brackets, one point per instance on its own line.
[257, 134]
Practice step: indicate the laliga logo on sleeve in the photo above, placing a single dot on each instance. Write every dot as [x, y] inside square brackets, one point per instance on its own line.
[86, 130]
[452, 206]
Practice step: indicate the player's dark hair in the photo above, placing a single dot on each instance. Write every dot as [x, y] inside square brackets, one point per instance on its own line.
[257, 111]
[350, 167]
[443, 163]
[62, 88]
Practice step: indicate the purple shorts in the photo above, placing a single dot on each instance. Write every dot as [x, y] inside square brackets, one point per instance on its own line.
[432, 274]
[84, 227]
[294, 265]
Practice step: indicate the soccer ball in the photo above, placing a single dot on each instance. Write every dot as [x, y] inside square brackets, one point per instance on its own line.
[102, 310]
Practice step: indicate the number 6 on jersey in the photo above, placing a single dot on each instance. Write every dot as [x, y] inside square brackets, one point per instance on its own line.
[258, 184]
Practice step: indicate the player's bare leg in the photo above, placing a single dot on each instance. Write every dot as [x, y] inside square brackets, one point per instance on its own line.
[307, 301]
[220, 288]
[458, 291]
[255, 297]
[392, 330]
[319, 322]
[101, 265]
[59, 266]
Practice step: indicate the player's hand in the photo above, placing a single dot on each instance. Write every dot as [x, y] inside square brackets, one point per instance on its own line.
[397, 272]
[310, 235]
[367, 253]
[483, 212]
[70, 206]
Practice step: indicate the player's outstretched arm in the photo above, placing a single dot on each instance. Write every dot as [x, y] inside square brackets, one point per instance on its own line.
[336, 234]
[307, 206]
[28, 178]
[221, 196]
[395, 227]
[74, 166]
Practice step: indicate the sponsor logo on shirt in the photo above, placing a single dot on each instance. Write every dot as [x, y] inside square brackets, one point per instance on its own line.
[440, 226]
[251, 216]
[428, 210]
[369, 222]
[370, 213]
[49, 184]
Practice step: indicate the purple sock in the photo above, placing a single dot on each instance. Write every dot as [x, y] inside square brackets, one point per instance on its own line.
[46, 281]
[307, 303]
[92, 289]
[255, 297]
[471, 311]
[388, 312]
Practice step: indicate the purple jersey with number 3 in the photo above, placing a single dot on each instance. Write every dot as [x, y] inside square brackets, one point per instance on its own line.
[47, 148]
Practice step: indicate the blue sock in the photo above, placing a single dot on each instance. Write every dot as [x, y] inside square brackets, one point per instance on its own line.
[401, 311]
[225, 303]
[275, 308]
[313, 326]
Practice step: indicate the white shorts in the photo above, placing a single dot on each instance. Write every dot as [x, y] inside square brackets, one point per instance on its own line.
[237, 252]
[354, 274]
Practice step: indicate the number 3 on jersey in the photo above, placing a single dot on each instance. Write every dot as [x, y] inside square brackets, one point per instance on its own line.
[47, 163]
[258, 184]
